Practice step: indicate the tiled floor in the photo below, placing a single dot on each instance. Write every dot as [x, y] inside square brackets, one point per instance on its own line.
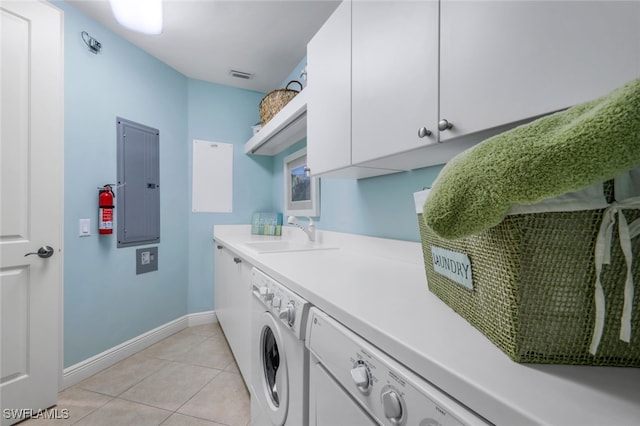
[189, 378]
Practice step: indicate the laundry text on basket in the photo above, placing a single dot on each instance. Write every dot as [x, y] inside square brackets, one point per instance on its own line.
[453, 265]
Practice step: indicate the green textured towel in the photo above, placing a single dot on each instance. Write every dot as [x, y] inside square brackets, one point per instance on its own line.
[566, 151]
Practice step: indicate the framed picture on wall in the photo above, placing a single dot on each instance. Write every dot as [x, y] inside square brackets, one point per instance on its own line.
[301, 191]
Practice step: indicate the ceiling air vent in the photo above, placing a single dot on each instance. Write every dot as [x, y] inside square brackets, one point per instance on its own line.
[241, 74]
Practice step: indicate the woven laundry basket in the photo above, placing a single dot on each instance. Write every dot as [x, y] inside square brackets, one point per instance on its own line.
[276, 100]
[532, 285]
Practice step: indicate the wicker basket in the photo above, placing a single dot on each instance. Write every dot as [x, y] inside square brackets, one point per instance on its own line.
[276, 100]
[533, 287]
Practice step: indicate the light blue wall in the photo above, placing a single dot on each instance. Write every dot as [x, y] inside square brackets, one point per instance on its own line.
[223, 114]
[295, 75]
[381, 206]
[105, 302]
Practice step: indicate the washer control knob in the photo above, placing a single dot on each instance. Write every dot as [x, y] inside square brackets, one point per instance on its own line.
[392, 406]
[288, 314]
[360, 376]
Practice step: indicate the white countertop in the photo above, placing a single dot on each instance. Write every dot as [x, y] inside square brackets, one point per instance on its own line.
[377, 288]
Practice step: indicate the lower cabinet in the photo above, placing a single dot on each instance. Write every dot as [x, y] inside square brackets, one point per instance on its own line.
[233, 304]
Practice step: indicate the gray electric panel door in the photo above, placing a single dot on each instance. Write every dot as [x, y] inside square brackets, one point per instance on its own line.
[138, 194]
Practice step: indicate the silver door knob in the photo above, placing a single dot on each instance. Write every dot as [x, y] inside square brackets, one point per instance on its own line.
[43, 252]
[423, 131]
[444, 125]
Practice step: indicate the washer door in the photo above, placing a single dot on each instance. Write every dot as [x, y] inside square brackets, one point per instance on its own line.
[273, 380]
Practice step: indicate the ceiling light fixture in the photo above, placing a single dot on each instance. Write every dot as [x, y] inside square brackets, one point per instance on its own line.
[143, 16]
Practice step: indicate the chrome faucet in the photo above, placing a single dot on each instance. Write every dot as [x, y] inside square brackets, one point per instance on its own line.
[310, 230]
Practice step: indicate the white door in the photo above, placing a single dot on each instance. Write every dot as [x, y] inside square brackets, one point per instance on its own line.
[31, 191]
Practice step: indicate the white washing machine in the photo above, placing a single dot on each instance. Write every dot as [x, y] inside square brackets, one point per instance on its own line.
[352, 383]
[279, 358]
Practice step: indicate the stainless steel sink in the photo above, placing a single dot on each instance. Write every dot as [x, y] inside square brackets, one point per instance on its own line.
[279, 246]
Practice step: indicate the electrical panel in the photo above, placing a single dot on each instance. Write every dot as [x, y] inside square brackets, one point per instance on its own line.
[138, 188]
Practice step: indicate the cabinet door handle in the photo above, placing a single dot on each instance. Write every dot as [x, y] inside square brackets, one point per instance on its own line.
[444, 125]
[423, 131]
[237, 259]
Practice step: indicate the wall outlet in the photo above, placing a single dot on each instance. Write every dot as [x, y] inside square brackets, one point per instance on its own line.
[146, 260]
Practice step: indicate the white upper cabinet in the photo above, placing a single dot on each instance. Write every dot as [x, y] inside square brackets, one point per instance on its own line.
[329, 100]
[399, 85]
[504, 61]
[329, 87]
[394, 77]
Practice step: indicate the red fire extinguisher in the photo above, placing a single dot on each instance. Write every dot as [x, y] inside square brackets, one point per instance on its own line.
[105, 216]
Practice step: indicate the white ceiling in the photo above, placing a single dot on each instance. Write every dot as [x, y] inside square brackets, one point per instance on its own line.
[204, 39]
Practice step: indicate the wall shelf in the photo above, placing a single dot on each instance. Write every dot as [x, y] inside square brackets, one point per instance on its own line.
[287, 127]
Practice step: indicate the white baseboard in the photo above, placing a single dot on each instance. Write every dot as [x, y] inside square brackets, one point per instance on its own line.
[87, 368]
[200, 318]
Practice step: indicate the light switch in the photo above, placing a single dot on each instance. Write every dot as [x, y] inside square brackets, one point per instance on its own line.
[85, 227]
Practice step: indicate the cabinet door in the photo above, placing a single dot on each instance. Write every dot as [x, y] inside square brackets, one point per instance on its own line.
[394, 76]
[223, 277]
[241, 314]
[329, 97]
[503, 61]
[233, 304]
